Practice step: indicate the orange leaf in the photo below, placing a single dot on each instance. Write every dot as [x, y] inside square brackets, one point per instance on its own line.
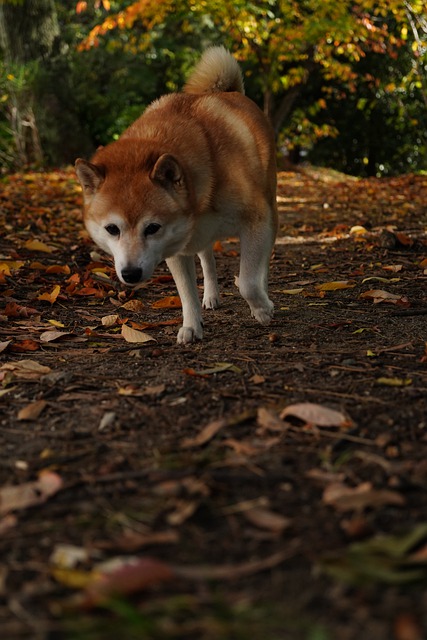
[59, 268]
[334, 286]
[52, 296]
[24, 345]
[14, 310]
[170, 302]
[32, 410]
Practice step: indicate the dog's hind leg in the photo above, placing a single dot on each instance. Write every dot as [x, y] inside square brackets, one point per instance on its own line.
[183, 270]
[210, 281]
[256, 245]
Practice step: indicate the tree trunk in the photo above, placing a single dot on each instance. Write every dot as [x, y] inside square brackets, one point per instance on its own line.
[29, 32]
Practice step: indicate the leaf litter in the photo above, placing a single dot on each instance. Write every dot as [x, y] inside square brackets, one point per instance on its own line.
[249, 460]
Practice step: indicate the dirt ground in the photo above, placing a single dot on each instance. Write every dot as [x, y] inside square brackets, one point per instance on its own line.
[229, 501]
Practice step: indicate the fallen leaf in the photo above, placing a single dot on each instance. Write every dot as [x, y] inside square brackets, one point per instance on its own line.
[394, 382]
[170, 302]
[316, 414]
[56, 323]
[205, 435]
[32, 410]
[29, 494]
[24, 345]
[51, 335]
[59, 268]
[379, 295]
[37, 245]
[134, 336]
[358, 230]
[123, 576]
[269, 421]
[344, 498]
[133, 305]
[26, 369]
[266, 519]
[137, 391]
[257, 379]
[292, 292]
[14, 310]
[109, 321]
[334, 286]
[214, 427]
[4, 345]
[219, 367]
[68, 556]
[133, 540]
[394, 268]
[52, 296]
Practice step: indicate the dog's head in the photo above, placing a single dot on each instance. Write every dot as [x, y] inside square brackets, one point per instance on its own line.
[136, 207]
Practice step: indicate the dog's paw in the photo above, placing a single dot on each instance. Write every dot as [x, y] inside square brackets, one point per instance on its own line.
[211, 302]
[186, 335]
[264, 315]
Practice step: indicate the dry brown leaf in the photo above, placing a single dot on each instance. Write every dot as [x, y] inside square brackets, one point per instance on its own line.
[316, 414]
[133, 540]
[269, 421]
[133, 305]
[4, 345]
[51, 335]
[32, 411]
[26, 369]
[266, 519]
[134, 336]
[344, 498]
[379, 295]
[30, 493]
[205, 435]
[108, 321]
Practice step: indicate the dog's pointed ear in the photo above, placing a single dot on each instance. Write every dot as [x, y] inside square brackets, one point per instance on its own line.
[90, 176]
[167, 172]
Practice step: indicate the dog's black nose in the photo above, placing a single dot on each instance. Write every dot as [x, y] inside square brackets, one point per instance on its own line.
[132, 275]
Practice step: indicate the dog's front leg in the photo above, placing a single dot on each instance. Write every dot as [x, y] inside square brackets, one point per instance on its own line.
[210, 281]
[183, 269]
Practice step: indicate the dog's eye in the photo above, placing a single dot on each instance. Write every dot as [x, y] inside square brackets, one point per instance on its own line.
[113, 229]
[151, 229]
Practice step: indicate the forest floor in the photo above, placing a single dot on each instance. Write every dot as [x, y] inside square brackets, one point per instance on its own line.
[268, 483]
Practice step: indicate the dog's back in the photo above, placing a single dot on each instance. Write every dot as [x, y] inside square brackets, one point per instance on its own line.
[221, 135]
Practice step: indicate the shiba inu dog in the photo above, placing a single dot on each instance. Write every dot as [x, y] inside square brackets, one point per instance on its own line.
[196, 167]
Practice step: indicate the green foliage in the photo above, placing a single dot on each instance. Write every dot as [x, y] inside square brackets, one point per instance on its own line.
[345, 81]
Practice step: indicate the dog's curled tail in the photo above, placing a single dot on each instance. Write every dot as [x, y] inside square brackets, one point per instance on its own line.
[216, 71]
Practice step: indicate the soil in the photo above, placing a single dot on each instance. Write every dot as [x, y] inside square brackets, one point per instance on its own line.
[272, 524]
